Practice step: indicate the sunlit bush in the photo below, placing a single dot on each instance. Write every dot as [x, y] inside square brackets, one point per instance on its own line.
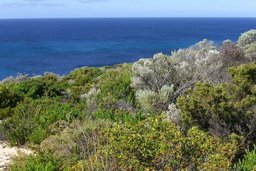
[81, 80]
[156, 82]
[38, 87]
[247, 38]
[36, 163]
[156, 144]
[226, 108]
[250, 52]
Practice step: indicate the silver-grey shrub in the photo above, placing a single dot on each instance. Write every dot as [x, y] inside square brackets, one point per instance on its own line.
[154, 80]
[247, 41]
[158, 81]
[247, 38]
[250, 52]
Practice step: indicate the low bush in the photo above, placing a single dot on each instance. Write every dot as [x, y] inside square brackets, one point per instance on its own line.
[247, 38]
[8, 100]
[35, 163]
[112, 95]
[81, 80]
[225, 108]
[249, 161]
[76, 141]
[38, 87]
[156, 144]
[31, 120]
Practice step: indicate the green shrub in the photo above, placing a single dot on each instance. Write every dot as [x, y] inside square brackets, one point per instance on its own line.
[117, 115]
[5, 112]
[30, 121]
[115, 86]
[225, 108]
[83, 75]
[75, 142]
[250, 52]
[8, 100]
[7, 97]
[156, 144]
[35, 163]
[81, 80]
[112, 95]
[249, 161]
[38, 87]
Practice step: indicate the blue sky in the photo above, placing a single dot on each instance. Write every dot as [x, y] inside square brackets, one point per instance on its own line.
[126, 8]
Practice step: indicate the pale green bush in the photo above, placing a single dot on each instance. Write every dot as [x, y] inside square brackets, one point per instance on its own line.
[156, 82]
[247, 38]
[250, 52]
[147, 99]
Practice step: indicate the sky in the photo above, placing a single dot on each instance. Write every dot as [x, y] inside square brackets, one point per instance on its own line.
[126, 8]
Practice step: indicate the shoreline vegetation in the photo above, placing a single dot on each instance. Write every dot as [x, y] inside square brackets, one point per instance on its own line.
[192, 110]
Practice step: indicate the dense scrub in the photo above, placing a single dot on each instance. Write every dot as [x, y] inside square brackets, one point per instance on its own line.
[192, 110]
[225, 108]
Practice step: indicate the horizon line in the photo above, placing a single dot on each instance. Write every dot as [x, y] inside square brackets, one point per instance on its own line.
[128, 18]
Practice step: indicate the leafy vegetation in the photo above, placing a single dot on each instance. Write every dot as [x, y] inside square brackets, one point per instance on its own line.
[30, 122]
[8, 100]
[192, 110]
[157, 144]
[225, 108]
[249, 161]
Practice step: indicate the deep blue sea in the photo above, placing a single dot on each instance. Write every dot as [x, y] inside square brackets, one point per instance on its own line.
[33, 46]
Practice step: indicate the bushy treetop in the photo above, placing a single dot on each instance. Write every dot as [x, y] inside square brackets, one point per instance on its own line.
[247, 38]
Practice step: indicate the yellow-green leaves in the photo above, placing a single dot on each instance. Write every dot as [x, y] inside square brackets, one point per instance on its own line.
[157, 144]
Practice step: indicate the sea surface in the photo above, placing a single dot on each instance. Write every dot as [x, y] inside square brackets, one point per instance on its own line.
[34, 46]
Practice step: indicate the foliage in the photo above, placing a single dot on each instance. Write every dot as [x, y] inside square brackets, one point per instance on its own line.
[35, 163]
[111, 95]
[156, 144]
[226, 108]
[248, 43]
[7, 97]
[249, 161]
[38, 87]
[73, 142]
[232, 54]
[115, 86]
[30, 121]
[156, 81]
[198, 62]
[160, 80]
[247, 38]
[82, 79]
[8, 100]
[250, 52]
[117, 115]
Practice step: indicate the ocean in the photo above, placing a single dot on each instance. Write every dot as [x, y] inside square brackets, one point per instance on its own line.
[34, 46]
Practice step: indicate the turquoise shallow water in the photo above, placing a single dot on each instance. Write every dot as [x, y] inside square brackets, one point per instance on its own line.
[34, 46]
